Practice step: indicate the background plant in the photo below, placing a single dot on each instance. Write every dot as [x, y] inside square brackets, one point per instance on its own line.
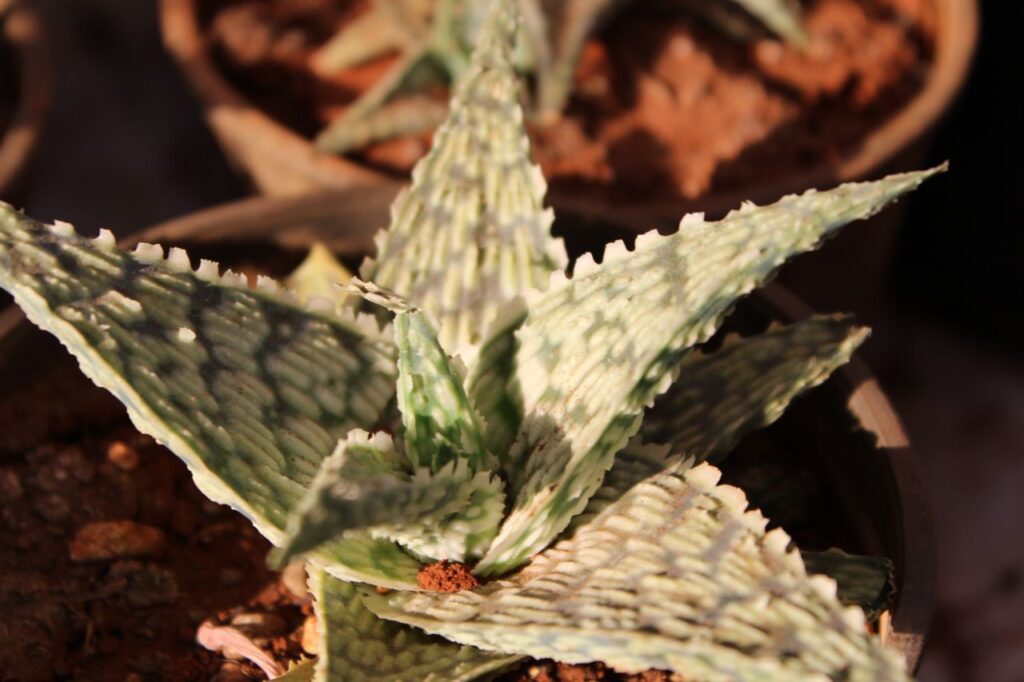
[434, 40]
[519, 434]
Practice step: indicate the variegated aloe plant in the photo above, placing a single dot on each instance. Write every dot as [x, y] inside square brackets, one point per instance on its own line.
[434, 39]
[519, 444]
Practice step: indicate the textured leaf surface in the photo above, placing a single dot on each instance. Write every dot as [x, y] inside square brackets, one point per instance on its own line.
[364, 484]
[471, 232]
[457, 532]
[356, 646]
[747, 384]
[597, 349]
[250, 389]
[441, 426]
[493, 381]
[444, 440]
[675, 575]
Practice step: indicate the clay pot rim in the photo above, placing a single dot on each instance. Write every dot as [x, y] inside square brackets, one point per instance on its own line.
[261, 219]
[24, 32]
[956, 39]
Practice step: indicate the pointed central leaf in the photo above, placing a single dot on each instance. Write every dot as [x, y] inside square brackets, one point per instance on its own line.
[471, 232]
[444, 442]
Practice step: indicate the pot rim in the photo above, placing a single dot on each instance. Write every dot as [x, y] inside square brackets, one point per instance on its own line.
[261, 219]
[227, 109]
[23, 30]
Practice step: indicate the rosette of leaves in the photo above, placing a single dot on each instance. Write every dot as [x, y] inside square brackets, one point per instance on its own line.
[435, 38]
[556, 433]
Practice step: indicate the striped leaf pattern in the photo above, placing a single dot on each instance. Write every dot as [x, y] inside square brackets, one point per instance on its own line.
[595, 350]
[677, 575]
[472, 232]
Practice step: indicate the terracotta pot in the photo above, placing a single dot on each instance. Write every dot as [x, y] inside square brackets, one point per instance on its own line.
[848, 274]
[23, 33]
[880, 490]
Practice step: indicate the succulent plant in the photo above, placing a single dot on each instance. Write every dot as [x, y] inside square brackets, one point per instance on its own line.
[434, 39]
[556, 433]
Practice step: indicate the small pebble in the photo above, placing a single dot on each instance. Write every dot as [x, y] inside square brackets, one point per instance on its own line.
[107, 540]
[123, 456]
[230, 577]
[133, 677]
[310, 636]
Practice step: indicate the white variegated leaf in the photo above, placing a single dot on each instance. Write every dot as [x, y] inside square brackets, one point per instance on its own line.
[366, 485]
[248, 387]
[444, 442]
[747, 384]
[472, 232]
[596, 350]
[675, 575]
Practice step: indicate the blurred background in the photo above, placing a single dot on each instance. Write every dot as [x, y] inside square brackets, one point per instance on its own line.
[126, 147]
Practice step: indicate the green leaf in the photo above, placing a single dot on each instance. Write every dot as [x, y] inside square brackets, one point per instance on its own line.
[366, 485]
[865, 581]
[249, 388]
[443, 437]
[747, 384]
[356, 646]
[471, 232]
[675, 575]
[440, 424]
[493, 383]
[319, 274]
[634, 464]
[596, 349]
[462, 535]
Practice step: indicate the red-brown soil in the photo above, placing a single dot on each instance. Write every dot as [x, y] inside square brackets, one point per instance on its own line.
[111, 561]
[665, 105]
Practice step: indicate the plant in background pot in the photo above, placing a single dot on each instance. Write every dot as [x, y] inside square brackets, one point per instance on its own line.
[520, 462]
[666, 116]
[434, 39]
